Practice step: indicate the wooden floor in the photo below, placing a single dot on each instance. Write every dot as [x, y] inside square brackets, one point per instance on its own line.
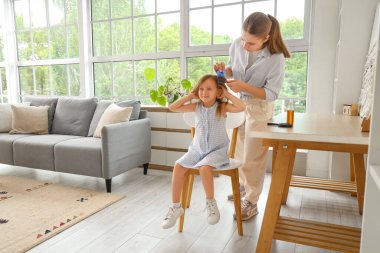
[134, 223]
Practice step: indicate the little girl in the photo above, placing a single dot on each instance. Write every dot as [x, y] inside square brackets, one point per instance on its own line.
[209, 148]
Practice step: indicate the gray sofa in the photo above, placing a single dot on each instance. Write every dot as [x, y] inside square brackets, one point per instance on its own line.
[69, 147]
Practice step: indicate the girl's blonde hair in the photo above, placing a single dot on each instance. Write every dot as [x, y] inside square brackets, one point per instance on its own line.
[221, 103]
[262, 25]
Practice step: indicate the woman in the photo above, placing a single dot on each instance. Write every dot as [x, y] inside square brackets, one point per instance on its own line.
[257, 63]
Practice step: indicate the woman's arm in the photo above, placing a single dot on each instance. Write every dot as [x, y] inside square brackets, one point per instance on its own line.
[179, 105]
[238, 85]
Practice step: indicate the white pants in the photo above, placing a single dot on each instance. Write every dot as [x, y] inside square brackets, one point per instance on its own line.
[250, 151]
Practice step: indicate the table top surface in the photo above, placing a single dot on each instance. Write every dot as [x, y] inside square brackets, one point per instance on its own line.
[315, 127]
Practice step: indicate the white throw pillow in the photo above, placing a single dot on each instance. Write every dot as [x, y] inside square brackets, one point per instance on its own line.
[6, 117]
[29, 120]
[113, 114]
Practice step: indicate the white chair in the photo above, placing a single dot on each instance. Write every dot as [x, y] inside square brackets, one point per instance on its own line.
[234, 120]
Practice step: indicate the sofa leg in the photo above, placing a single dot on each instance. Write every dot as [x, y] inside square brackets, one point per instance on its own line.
[146, 168]
[108, 184]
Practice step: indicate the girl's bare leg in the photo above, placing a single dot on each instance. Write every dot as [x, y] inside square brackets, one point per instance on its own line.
[207, 180]
[178, 180]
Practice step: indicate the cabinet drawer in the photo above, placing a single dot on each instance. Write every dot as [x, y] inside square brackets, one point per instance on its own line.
[178, 140]
[157, 119]
[158, 157]
[172, 156]
[175, 120]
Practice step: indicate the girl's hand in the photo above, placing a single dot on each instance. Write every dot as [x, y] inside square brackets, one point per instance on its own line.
[236, 85]
[219, 66]
[223, 92]
[193, 95]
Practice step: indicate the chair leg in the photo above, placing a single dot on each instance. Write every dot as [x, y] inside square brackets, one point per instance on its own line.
[184, 196]
[237, 201]
[190, 190]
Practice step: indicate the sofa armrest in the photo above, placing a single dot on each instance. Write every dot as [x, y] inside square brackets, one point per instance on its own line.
[125, 146]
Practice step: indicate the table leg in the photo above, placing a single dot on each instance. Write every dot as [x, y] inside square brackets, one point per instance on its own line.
[288, 178]
[352, 172]
[360, 178]
[272, 209]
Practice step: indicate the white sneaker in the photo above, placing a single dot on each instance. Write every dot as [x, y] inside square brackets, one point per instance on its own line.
[171, 217]
[213, 214]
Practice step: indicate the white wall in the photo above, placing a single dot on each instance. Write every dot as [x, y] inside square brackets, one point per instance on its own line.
[357, 19]
[324, 38]
[340, 37]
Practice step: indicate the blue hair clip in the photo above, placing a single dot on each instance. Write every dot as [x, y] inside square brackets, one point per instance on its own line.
[221, 77]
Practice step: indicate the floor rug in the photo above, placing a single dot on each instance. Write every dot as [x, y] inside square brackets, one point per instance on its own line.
[32, 211]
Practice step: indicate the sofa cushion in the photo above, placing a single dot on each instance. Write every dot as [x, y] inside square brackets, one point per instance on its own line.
[102, 106]
[113, 114]
[6, 146]
[136, 107]
[73, 116]
[37, 151]
[41, 101]
[79, 156]
[6, 117]
[29, 119]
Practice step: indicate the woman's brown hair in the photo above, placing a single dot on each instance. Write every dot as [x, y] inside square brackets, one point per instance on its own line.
[221, 103]
[261, 25]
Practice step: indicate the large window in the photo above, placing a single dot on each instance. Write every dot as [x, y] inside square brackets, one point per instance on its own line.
[129, 36]
[3, 80]
[218, 22]
[106, 52]
[144, 33]
[47, 46]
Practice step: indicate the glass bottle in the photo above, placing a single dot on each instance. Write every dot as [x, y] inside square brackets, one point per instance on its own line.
[290, 113]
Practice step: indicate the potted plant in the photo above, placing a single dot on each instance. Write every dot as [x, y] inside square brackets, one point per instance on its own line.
[169, 92]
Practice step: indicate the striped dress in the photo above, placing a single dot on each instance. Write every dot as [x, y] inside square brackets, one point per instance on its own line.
[210, 143]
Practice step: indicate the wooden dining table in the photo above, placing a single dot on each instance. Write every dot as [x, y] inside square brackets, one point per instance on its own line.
[323, 132]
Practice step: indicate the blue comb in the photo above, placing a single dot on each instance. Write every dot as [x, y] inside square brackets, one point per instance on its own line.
[221, 77]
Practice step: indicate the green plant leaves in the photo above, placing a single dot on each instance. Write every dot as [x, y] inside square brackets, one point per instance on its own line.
[186, 85]
[153, 95]
[161, 100]
[168, 92]
[150, 73]
[161, 90]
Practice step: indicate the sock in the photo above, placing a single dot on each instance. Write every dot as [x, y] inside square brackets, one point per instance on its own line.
[210, 200]
[177, 205]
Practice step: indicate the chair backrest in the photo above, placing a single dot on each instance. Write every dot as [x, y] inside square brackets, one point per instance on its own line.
[234, 120]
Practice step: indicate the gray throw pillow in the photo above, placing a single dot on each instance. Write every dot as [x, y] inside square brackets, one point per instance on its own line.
[42, 101]
[132, 103]
[102, 106]
[73, 116]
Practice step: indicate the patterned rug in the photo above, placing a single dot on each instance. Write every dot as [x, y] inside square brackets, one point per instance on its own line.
[32, 211]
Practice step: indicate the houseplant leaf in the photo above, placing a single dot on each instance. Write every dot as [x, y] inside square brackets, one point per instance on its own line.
[153, 95]
[161, 90]
[186, 85]
[161, 100]
[150, 73]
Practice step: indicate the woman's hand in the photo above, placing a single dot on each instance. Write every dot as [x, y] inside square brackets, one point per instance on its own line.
[236, 85]
[219, 66]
